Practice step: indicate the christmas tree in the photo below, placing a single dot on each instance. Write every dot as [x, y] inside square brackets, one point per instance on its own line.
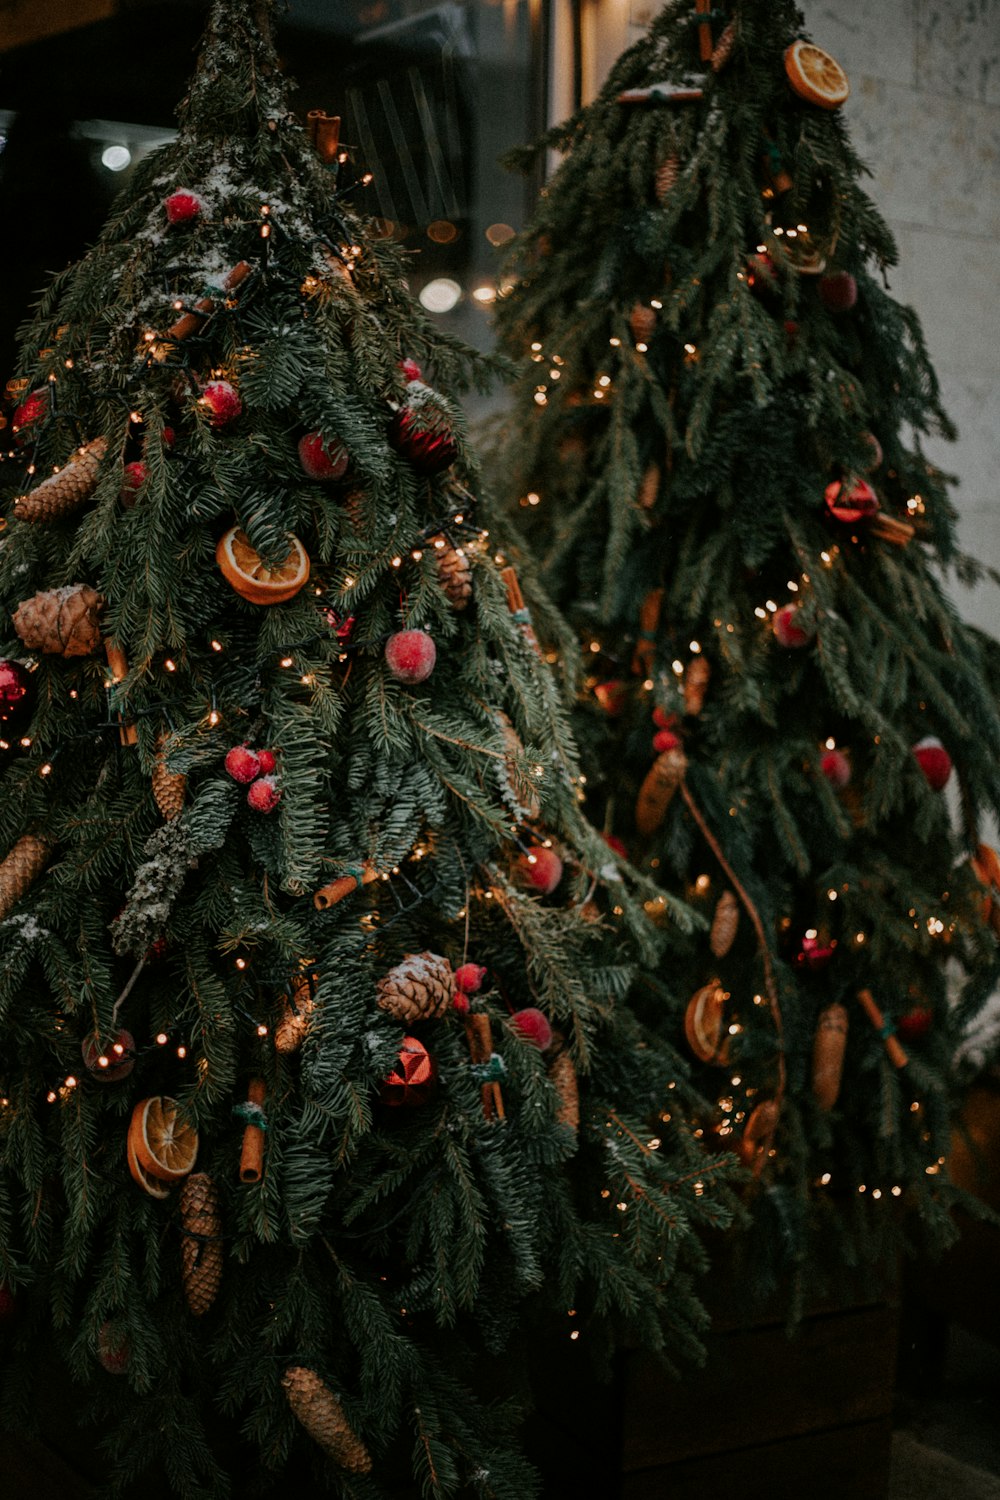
[716, 450]
[316, 1090]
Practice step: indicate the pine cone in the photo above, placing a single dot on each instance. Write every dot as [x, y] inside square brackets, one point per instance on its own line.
[420, 988]
[63, 492]
[662, 780]
[666, 175]
[642, 321]
[61, 622]
[296, 1015]
[201, 1245]
[322, 1416]
[650, 487]
[168, 787]
[723, 48]
[562, 1076]
[696, 679]
[454, 573]
[724, 925]
[23, 865]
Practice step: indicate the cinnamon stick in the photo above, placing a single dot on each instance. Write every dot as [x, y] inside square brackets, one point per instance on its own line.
[889, 529]
[477, 1030]
[518, 608]
[195, 316]
[335, 890]
[705, 43]
[324, 132]
[252, 1153]
[128, 734]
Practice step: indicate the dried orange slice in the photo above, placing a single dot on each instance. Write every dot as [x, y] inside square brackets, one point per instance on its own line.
[815, 75]
[244, 570]
[163, 1144]
[150, 1185]
[703, 1024]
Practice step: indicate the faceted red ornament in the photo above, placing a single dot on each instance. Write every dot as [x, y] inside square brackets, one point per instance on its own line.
[134, 476]
[665, 739]
[15, 690]
[539, 870]
[934, 761]
[243, 764]
[469, 977]
[836, 768]
[534, 1026]
[223, 401]
[267, 762]
[814, 954]
[183, 207]
[856, 501]
[341, 625]
[411, 369]
[31, 410]
[113, 1349]
[109, 1062]
[326, 461]
[612, 697]
[838, 291]
[915, 1024]
[428, 447]
[788, 631]
[412, 1080]
[663, 720]
[410, 656]
[264, 795]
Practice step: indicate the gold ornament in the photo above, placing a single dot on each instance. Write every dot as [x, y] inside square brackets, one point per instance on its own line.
[61, 622]
[65, 491]
[724, 925]
[454, 573]
[21, 868]
[662, 780]
[201, 1243]
[422, 987]
[322, 1416]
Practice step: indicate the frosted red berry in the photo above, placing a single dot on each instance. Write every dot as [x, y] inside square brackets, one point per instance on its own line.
[788, 627]
[665, 739]
[266, 761]
[410, 656]
[223, 401]
[534, 1026]
[242, 763]
[183, 207]
[836, 768]
[540, 870]
[469, 977]
[411, 370]
[838, 291]
[264, 795]
[325, 461]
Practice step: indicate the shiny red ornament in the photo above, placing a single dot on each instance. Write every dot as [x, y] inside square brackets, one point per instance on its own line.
[836, 768]
[412, 1080]
[183, 207]
[109, 1062]
[852, 501]
[424, 439]
[814, 954]
[915, 1024]
[325, 461]
[788, 629]
[534, 1026]
[410, 656]
[223, 401]
[614, 842]
[838, 291]
[934, 761]
[612, 696]
[663, 720]
[32, 409]
[15, 690]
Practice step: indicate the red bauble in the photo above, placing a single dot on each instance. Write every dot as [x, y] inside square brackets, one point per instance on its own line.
[838, 291]
[788, 629]
[15, 690]
[934, 761]
[223, 401]
[836, 768]
[410, 656]
[411, 370]
[856, 502]
[109, 1062]
[424, 439]
[31, 410]
[412, 1080]
[183, 207]
[814, 954]
[264, 795]
[322, 461]
[266, 761]
[8, 1305]
[534, 1026]
[663, 720]
[113, 1349]
[614, 842]
[134, 476]
[665, 739]
[915, 1024]
[469, 978]
[243, 764]
[539, 870]
[612, 696]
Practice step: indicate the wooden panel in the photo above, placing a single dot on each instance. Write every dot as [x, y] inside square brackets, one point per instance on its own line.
[849, 1463]
[759, 1386]
[24, 21]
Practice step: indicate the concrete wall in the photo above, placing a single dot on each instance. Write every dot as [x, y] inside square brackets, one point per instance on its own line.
[924, 114]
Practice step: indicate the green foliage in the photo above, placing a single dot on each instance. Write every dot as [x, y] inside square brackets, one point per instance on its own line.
[682, 406]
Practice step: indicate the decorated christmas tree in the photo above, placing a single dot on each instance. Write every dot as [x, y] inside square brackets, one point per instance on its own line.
[717, 453]
[316, 1091]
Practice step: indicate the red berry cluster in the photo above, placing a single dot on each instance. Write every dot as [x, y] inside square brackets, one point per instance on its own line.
[255, 770]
